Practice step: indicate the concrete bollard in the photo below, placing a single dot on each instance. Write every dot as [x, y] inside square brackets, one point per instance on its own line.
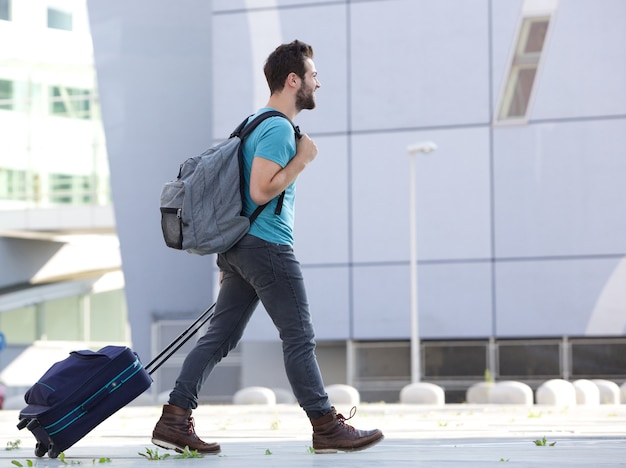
[511, 393]
[587, 393]
[284, 396]
[623, 393]
[556, 392]
[609, 392]
[423, 393]
[478, 393]
[340, 394]
[255, 396]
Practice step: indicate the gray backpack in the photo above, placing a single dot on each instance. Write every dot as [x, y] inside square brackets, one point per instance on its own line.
[201, 211]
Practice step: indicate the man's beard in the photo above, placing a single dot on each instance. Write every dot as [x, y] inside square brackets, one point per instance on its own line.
[305, 99]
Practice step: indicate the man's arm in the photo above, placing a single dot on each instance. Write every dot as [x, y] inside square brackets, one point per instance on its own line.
[268, 179]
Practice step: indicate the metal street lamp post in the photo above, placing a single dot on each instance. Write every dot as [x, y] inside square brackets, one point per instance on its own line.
[413, 150]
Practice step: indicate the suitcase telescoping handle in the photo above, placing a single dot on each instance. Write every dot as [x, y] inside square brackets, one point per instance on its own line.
[175, 345]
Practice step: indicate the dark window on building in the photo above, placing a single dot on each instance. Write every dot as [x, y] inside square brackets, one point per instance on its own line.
[598, 359]
[455, 360]
[70, 189]
[70, 102]
[528, 360]
[13, 184]
[521, 79]
[6, 94]
[59, 19]
[386, 361]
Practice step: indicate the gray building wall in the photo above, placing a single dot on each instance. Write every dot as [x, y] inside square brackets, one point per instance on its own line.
[520, 227]
[154, 76]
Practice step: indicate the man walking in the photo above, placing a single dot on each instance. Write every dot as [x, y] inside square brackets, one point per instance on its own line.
[262, 267]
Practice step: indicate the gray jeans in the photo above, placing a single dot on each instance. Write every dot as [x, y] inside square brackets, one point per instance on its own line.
[258, 270]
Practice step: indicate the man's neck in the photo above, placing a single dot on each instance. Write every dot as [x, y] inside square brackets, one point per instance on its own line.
[283, 105]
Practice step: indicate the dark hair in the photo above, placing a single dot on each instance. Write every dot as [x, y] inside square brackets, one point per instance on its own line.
[285, 59]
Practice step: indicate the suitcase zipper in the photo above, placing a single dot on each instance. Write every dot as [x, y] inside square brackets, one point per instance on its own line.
[90, 402]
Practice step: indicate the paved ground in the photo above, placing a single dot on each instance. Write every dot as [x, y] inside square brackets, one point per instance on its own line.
[419, 436]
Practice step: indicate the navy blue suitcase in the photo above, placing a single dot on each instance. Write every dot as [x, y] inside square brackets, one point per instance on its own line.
[79, 392]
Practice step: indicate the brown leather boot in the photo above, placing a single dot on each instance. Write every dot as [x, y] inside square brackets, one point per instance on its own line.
[332, 434]
[175, 431]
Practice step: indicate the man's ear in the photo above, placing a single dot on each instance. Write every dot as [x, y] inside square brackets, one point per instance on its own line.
[292, 79]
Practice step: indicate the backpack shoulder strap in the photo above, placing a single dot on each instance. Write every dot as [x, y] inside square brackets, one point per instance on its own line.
[244, 128]
[242, 131]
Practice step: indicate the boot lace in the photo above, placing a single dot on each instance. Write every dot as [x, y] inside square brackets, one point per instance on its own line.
[341, 419]
[191, 426]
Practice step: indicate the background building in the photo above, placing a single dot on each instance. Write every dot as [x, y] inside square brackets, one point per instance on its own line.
[519, 211]
[60, 277]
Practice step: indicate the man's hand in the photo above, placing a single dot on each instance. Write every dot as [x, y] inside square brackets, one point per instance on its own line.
[268, 179]
[306, 149]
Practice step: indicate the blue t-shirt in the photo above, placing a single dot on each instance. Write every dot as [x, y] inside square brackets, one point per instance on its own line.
[273, 139]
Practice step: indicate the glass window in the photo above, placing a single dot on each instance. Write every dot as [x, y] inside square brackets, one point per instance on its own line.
[59, 19]
[19, 325]
[521, 79]
[5, 10]
[107, 318]
[528, 360]
[455, 359]
[383, 361]
[70, 189]
[62, 319]
[70, 102]
[12, 184]
[598, 359]
[537, 31]
[66, 319]
[6, 94]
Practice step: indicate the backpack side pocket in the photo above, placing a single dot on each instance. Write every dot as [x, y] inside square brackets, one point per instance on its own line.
[171, 214]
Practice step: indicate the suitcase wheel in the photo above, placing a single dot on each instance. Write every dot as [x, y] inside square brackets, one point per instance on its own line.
[32, 424]
[41, 449]
[53, 452]
[23, 423]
